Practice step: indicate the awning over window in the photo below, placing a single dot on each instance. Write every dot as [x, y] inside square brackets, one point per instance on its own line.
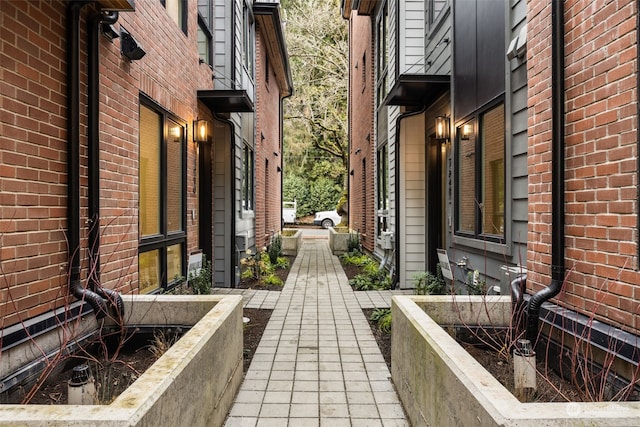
[226, 101]
[417, 89]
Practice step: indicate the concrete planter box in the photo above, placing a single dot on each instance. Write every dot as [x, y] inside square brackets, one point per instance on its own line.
[339, 240]
[440, 384]
[291, 244]
[193, 383]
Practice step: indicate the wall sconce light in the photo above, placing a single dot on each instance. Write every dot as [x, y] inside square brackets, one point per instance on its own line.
[200, 130]
[351, 172]
[442, 128]
[129, 47]
[275, 154]
[467, 129]
[278, 169]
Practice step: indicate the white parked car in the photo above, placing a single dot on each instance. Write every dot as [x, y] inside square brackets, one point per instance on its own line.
[289, 212]
[327, 219]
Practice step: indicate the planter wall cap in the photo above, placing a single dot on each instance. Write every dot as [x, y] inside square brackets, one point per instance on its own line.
[193, 383]
[439, 383]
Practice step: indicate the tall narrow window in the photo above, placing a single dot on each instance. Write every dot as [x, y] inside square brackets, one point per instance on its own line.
[248, 39]
[162, 199]
[480, 176]
[382, 181]
[434, 9]
[247, 178]
[364, 192]
[382, 44]
[205, 31]
[177, 10]
[364, 71]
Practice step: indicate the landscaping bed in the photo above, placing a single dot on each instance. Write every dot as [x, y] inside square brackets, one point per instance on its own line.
[136, 356]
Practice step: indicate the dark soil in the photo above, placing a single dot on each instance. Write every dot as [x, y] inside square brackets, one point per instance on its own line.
[551, 387]
[382, 338]
[132, 360]
[253, 331]
[112, 377]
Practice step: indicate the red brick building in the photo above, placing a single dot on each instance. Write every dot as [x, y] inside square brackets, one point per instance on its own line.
[361, 132]
[107, 183]
[600, 158]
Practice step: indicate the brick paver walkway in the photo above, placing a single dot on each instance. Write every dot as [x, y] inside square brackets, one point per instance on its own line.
[318, 363]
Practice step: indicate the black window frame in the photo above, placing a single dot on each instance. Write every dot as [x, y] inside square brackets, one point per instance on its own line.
[248, 173]
[478, 232]
[165, 238]
[205, 27]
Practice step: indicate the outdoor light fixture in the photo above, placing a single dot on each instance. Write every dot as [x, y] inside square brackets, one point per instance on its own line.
[200, 130]
[466, 131]
[129, 47]
[442, 128]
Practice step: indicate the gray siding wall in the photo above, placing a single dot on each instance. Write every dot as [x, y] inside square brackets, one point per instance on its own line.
[411, 57]
[438, 44]
[518, 147]
[222, 39]
[488, 257]
[230, 74]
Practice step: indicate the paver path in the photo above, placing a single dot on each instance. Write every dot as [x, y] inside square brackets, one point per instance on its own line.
[318, 363]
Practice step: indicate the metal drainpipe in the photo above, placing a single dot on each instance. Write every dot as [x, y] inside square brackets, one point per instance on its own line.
[93, 154]
[557, 169]
[396, 278]
[73, 160]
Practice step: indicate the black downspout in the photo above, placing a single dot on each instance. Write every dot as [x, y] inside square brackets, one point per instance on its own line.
[73, 160]
[396, 277]
[557, 170]
[93, 154]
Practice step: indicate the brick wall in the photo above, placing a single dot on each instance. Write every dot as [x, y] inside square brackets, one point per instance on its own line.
[268, 179]
[33, 146]
[601, 245]
[361, 133]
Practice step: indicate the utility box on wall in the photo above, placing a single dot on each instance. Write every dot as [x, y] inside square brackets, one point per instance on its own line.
[509, 273]
[386, 240]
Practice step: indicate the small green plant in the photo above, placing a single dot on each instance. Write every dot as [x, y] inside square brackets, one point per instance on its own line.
[475, 286]
[353, 242]
[428, 284]
[282, 263]
[371, 278]
[275, 248]
[362, 282]
[200, 283]
[382, 318]
[259, 266]
[273, 280]
[356, 258]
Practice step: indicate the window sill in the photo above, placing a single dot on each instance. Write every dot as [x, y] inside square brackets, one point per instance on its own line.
[503, 249]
